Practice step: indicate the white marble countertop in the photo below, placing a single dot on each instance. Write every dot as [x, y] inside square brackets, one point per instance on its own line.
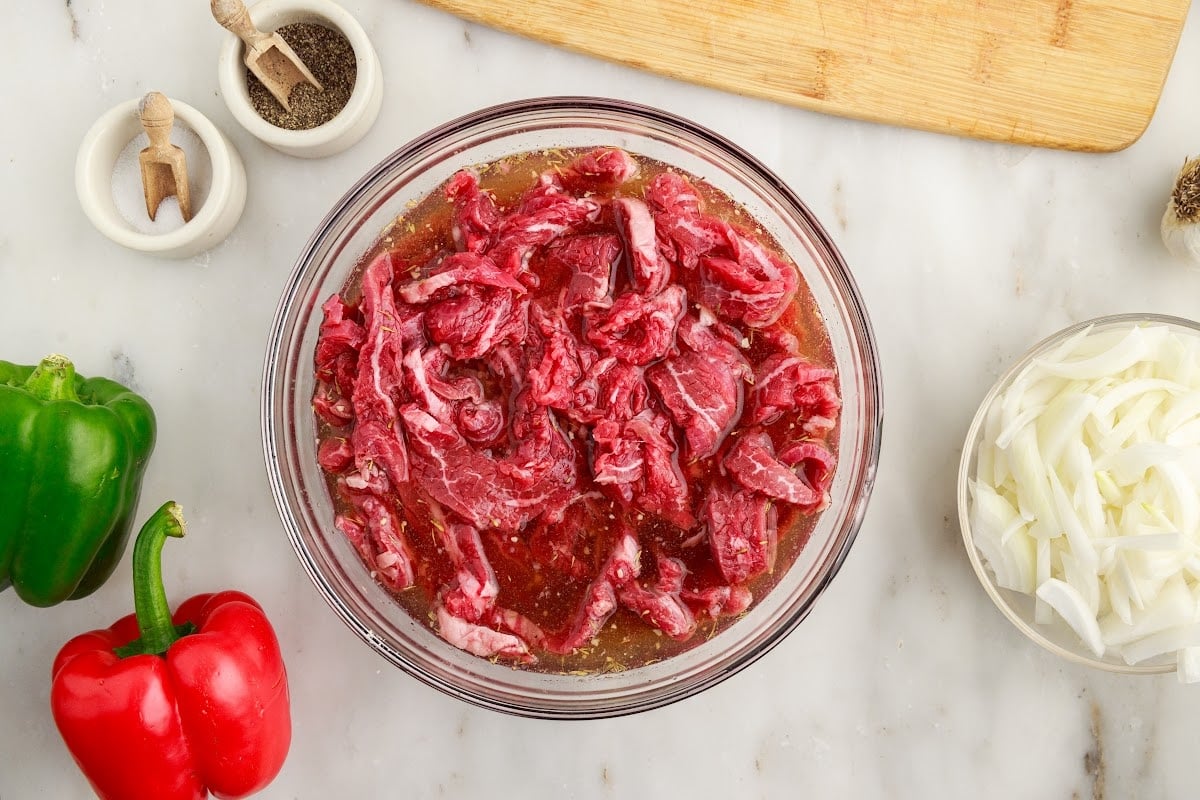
[904, 682]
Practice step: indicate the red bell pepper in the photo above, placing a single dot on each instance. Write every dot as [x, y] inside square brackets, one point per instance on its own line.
[198, 703]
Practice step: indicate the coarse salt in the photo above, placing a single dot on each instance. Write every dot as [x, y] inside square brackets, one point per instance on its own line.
[129, 197]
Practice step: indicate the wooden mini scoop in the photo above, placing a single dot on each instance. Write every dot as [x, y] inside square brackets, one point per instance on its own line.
[164, 165]
[268, 57]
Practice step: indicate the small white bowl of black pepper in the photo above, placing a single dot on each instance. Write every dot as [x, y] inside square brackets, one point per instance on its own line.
[331, 43]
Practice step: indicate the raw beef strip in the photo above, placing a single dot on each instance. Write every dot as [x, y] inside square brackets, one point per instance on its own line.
[701, 387]
[718, 342]
[718, 601]
[332, 406]
[663, 490]
[354, 529]
[519, 625]
[475, 218]
[599, 603]
[474, 591]
[782, 340]
[753, 464]
[544, 464]
[651, 274]
[741, 531]
[816, 464]
[739, 278]
[335, 455]
[475, 321]
[618, 458]
[451, 471]
[336, 361]
[621, 389]
[637, 458]
[379, 454]
[471, 306]
[445, 385]
[610, 389]
[492, 493]
[603, 168]
[481, 640]
[376, 440]
[482, 424]
[339, 334]
[600, 600]
[752, 286]
[545, 213]
[662, 606]
[504, 363]
[377, 534]
[686, 238]
[447, 396]
[791, 384]
[416, 382]
[590, 260]
[635, 329]
[684, 232]
[468, 616]
[671, 192]
[454, 272]
[558, 364]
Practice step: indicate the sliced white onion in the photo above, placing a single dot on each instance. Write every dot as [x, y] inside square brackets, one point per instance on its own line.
[1082, 547]
[1168, 641]
[1133, 420]
[1017, 424]
[1000, 535]
[1083, 580]
[1081, 470]
[1042, 606]
[1070, 605]
[1187, 664]
[1029, 472]
[1126, 353]
[1087, 490]
[1121, 393]
[1182, 410]
[1062, 422]
[1185, 435]
[1172, 608]
[1148, 541]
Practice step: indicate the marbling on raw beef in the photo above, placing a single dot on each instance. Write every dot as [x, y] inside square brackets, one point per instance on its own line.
[574, 403]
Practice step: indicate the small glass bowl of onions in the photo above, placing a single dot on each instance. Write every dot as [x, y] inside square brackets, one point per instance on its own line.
[1079, 494]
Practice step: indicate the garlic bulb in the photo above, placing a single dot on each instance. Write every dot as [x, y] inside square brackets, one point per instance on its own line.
[1181, 222]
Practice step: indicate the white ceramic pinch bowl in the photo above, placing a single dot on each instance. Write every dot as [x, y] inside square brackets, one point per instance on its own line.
[214, 218]
[349, 125]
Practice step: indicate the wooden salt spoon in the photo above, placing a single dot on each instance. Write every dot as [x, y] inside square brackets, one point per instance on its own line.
[164, 165]
[268, 57]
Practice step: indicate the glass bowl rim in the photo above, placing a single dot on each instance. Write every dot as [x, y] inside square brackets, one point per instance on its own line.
[966, 469]
[853, 319]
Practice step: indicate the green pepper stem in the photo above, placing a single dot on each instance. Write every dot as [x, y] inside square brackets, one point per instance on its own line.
[53, 379]
[149, 596]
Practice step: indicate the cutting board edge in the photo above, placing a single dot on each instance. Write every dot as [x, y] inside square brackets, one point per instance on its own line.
[1118, 137]
[1050, 138]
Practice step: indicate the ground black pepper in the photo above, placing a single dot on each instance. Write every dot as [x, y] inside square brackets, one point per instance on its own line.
[330, 58]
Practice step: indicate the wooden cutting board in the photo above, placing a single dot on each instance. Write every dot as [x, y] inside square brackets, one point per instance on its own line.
[1077, 74]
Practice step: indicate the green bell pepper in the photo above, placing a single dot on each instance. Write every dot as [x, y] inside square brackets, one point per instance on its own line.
[72, 455]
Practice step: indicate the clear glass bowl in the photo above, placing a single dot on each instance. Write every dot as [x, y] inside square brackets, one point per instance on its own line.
[289, 431]
[1055, 636]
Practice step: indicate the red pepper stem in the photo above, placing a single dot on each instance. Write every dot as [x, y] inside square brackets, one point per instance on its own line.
[53, 379]
[149, 597]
